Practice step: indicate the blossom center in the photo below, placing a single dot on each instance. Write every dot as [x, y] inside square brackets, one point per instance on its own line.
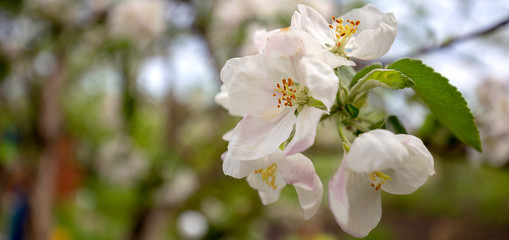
[341, 33]
[289, 93]
[269, 175]
[378, 178]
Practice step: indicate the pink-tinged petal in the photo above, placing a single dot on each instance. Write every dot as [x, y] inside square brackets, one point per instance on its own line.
[375, 34]
[260, 40]
[299, 171]
[415, 169]
[250, 83]
[267, 194]
[255, 138]
[228, 136]
[309, 20]
[284, 43]
[320, 80]
[310, 201]
[417, 147]
[241, 168]
[305, 130]
[223, 99]
[356, 205]
[376, 150]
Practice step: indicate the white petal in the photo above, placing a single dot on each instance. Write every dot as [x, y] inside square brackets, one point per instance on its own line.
[282, 42]
[376, 150]
[331, 59]
[316, 50]
[223, 99]
[310, 201]
[356, 205]
[320, 80]
[260, 40]
[241, 168]
[415, 169]
[305, 130]
[375, 34]
[266, 193]
[254, 137]
[299, 171]
[250, 83]
[228, 136]
[309, 20]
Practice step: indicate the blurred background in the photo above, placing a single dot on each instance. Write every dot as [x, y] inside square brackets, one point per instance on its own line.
[109, 130]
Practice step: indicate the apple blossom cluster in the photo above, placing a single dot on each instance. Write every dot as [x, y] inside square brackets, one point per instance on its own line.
[294, 82]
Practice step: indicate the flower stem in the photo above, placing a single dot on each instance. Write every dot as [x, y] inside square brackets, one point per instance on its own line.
[346, 143]
[359, 127]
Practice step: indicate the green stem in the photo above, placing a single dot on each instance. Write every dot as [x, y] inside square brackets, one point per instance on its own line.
[359, 127]
[346, 143]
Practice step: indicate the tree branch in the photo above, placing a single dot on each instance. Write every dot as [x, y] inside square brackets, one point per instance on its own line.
[458, 39]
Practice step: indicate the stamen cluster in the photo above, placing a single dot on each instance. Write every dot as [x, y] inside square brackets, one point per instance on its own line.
[269, 175]
[342, 33]
[287, 92]
[377, 179]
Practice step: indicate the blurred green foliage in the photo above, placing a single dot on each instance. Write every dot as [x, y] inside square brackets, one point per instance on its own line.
[70, 90]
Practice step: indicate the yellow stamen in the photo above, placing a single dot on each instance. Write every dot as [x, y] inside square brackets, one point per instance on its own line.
[342, 33]
[269, 175]
[377, 179]
[287, 91]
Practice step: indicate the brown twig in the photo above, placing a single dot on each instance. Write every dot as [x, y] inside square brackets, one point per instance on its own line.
[466, 37]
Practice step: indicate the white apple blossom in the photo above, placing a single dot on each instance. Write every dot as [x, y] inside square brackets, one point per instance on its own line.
[223, 99]
[276, 91]
[364, 33]
[270, 174]
[378, 159]
[271, 41]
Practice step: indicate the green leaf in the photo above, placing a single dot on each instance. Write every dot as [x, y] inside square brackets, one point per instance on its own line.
[443, 100]
[345, 74]
[352, 110]
[363, 73]
[316, 103]
[393, 123]
[377, 125]
[387, 78]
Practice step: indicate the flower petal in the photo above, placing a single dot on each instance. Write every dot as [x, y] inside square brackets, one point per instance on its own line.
[310, 201]
[250, 83]
[266, 193]
[309, 20]
[305, 130]
[223, 99]
[415, 169]
[319, 79]
[299, 171]
[228, 135]
[281, 42]
[241, 168]
[254, 137]
[316, 50]
[376, 150]
[260, 40]
[375, 34]
[356, 206]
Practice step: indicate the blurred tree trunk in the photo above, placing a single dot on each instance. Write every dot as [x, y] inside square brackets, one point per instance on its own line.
[50, 128]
